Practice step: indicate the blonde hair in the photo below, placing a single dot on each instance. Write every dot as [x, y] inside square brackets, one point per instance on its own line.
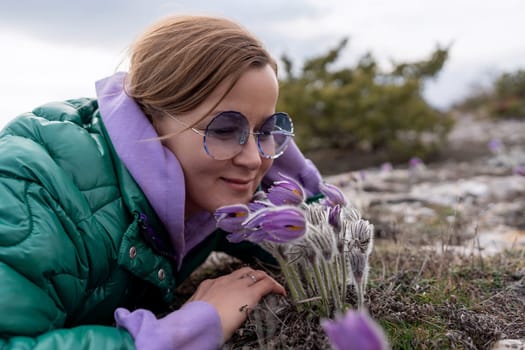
[178, 62]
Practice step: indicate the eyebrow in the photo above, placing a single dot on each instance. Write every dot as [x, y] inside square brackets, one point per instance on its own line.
[207, 120]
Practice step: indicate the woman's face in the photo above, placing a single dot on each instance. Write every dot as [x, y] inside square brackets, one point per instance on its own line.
[212, 183]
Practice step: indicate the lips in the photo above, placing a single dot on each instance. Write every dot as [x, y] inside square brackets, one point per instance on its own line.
[238, 181]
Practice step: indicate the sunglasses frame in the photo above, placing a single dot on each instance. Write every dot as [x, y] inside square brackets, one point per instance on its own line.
[204, 133]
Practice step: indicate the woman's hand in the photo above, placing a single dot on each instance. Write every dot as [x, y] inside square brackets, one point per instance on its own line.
[234, 294]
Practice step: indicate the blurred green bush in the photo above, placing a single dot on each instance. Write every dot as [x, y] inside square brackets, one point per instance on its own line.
[362, 107]
[504, 98]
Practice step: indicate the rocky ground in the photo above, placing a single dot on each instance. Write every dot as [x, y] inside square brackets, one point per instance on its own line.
[471, 200]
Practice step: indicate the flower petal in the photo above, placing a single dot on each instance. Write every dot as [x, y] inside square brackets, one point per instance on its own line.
[495, 145]
[281, 224]
[416, 164]
[334, 217]
[333, 194]
[286, 192]
[236, 237]
[355, 331]
[258, 205]
[519, 170]
[230, 217]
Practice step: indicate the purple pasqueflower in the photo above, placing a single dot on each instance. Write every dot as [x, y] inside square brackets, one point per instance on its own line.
[333, 195]
[286, 192]
[259, 201]
[237, 236]
[258, 205]
[356, 330]
[278, 224]
[230, 217]
[495, 145]
[519, 170]
[415, 163]
[386, 167]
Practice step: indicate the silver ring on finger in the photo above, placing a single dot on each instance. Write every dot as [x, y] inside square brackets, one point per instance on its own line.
[253, 278]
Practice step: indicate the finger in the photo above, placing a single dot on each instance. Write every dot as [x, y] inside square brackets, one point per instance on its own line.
[242, 272]
[250, 279]
[255, 276]
[268, 285]
[202, 289]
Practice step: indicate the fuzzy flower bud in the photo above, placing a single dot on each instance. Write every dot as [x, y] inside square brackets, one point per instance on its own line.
[334, 217]
[358, 265]
[323, 242]
[316, 214]
[362, 234]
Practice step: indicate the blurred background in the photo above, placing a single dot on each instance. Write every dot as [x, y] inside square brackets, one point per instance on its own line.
[367, 82]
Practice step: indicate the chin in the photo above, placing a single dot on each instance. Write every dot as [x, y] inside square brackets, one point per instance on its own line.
[232, 201]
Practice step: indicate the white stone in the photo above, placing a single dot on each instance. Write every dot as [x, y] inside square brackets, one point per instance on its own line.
[509, 344]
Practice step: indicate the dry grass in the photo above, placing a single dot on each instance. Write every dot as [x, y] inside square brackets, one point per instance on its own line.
[422, 298]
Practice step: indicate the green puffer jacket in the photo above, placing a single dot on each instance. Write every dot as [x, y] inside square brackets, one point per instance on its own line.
[72, 235]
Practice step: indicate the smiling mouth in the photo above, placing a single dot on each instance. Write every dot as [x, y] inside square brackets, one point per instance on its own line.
[237, 181]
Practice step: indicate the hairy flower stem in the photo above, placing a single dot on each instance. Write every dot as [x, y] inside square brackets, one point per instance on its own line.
[292, 284]
[309, 279]
[344, 276]
[340, 271]
[331, 283]
[339, 281]
[321, 285]
[336, 272]
[359, 292]
[296, 279]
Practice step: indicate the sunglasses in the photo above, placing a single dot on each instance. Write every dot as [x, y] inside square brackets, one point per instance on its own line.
[227, 133]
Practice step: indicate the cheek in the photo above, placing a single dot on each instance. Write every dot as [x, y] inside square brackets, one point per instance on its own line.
[265, 166]
[202, 185]
[185, 145]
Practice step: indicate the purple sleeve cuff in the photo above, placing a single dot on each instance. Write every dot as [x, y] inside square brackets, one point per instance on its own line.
[294, 164]
[196, 325]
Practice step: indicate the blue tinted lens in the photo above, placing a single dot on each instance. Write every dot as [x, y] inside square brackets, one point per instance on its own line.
[274, 135]
[226, 134]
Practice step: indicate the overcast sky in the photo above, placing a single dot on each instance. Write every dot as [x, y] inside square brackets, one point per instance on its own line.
[57, 49]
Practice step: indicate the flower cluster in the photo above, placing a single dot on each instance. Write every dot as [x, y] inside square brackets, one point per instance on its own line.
[322, 247]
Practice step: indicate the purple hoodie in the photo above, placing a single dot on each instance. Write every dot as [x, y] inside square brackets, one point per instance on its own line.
[158, 173]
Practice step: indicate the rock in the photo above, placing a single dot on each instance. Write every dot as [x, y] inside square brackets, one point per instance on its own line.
[509, 344]
[478, 206]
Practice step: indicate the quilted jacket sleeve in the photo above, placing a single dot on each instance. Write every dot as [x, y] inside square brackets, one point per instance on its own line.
[32, 307]
[83, 337]
[46, 251]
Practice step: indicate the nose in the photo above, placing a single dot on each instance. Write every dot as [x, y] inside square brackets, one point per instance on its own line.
[249, 156]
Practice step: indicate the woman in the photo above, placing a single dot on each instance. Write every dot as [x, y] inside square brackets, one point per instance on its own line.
[107, 204]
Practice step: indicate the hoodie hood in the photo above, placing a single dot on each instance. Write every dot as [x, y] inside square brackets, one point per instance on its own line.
[155, 168]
